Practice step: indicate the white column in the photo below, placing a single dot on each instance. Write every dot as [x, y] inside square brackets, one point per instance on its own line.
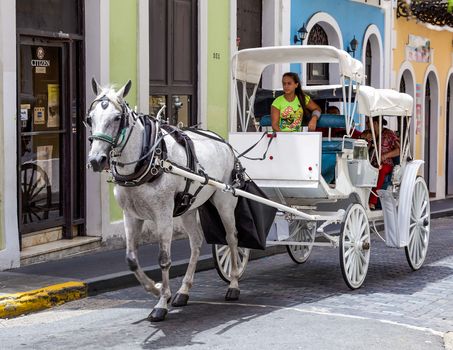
[143, 56]
[97, 25]
[9, 232]
[203, 63]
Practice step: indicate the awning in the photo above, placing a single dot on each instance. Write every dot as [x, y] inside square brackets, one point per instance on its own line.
[248, 64]
[374, 102]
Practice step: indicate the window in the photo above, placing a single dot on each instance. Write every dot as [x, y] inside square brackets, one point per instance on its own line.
[317, 73]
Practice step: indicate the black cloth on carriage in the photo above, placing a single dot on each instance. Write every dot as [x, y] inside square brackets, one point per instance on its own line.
[253, 220]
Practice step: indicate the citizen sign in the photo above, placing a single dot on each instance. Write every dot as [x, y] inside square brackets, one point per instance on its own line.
[40, 63]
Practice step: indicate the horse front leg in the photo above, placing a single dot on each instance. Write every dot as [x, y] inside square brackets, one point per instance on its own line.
[133, 228]
[195, 234]
[160, 310]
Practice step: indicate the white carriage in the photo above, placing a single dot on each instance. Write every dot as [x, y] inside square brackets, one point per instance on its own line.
[292, 172]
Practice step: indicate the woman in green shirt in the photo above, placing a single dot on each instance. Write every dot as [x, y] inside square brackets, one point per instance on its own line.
[288, 110]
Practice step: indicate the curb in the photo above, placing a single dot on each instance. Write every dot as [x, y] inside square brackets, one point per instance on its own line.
[12, 305]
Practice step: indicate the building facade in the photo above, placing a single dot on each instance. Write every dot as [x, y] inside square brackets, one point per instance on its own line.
[50, 205]
[423, 67]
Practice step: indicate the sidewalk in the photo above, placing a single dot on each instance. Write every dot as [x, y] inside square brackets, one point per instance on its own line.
[36, 287]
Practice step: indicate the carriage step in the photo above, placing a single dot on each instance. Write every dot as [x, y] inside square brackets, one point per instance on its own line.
[58, 249]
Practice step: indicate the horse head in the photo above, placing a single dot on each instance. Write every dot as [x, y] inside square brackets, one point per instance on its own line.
[108, 119]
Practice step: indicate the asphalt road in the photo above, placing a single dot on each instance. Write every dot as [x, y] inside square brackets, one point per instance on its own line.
[282, 306]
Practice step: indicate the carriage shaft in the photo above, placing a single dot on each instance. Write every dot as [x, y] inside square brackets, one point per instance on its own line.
[234, 191]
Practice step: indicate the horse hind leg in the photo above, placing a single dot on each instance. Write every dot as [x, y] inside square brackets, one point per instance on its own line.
[226, 204]
[133, 227]
[195, 234]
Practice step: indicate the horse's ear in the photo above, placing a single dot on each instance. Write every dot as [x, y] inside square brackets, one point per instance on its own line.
[96, 87]
[124, 90]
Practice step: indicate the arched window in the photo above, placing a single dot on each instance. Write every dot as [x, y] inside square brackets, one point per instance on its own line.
[317, 73]
[368, 63]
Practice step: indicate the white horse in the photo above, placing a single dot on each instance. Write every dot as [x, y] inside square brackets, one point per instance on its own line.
[117, 136]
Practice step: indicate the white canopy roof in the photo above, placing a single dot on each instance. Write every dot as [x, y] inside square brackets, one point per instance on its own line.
[249, 64]
[373, 102]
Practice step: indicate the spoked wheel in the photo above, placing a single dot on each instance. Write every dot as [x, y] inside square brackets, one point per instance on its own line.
[355, 246]
[419, 226]
[222, 260]
[36, 193]
[299, 232]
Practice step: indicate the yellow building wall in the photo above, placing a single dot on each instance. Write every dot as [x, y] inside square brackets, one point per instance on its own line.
[442, 43]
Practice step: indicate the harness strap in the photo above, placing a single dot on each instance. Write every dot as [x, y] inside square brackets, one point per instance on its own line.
[184, 199]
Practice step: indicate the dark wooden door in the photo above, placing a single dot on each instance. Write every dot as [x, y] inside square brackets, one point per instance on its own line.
[173, 59]
[249, 22]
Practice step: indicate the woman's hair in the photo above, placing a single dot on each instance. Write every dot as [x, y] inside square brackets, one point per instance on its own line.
[299, 92]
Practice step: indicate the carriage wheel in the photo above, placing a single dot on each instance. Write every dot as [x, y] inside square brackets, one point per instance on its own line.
[36, 193]
[419, 226]
[299, 232]
[222, 260]
[355, 246]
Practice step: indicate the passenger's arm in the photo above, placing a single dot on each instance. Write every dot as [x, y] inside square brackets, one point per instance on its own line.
[312, 107]
[393, 153]
[275, 117]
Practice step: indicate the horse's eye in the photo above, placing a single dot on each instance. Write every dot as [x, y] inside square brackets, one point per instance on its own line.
[117, 117]
[89, 121]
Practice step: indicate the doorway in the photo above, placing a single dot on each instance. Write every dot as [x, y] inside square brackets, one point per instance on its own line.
[430, 133]
[50, 136]
[449, 151]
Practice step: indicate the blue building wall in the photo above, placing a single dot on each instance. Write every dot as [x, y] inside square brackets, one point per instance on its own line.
[352, 17]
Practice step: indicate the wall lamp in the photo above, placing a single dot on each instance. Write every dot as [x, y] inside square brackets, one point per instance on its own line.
[352, 46]
[301, 35]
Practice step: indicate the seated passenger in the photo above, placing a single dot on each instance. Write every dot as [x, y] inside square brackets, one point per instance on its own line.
[390, 148]
[289, 109]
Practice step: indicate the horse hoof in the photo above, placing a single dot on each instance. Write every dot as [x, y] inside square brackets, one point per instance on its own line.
[180, 300]
[157, 315]
[232, 294]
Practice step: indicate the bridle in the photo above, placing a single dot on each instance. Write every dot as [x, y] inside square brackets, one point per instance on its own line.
[119, 140]
[153, 147]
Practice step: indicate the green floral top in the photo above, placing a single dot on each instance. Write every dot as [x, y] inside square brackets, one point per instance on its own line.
[291, 113]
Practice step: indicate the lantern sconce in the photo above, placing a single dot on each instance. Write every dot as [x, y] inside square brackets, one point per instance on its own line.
[353, 46]
[301, 35]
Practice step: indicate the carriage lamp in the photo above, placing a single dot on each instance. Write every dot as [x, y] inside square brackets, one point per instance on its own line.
[353, 46]
[301, 35]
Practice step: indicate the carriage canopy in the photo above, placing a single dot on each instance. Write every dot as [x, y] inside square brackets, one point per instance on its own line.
[248, 64]
[374, 102]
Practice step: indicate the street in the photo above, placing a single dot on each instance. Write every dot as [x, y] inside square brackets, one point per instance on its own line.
[282, 306]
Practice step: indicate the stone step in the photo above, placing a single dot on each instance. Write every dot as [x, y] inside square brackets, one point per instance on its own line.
[58, 249]
[41, 237]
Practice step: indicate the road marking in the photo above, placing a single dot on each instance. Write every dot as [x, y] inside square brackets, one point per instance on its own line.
[324, 313]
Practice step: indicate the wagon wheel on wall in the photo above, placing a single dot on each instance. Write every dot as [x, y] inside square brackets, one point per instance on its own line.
[419, 226]
[222, 260]
[36, 193]
[300, 232]
[355, 246]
